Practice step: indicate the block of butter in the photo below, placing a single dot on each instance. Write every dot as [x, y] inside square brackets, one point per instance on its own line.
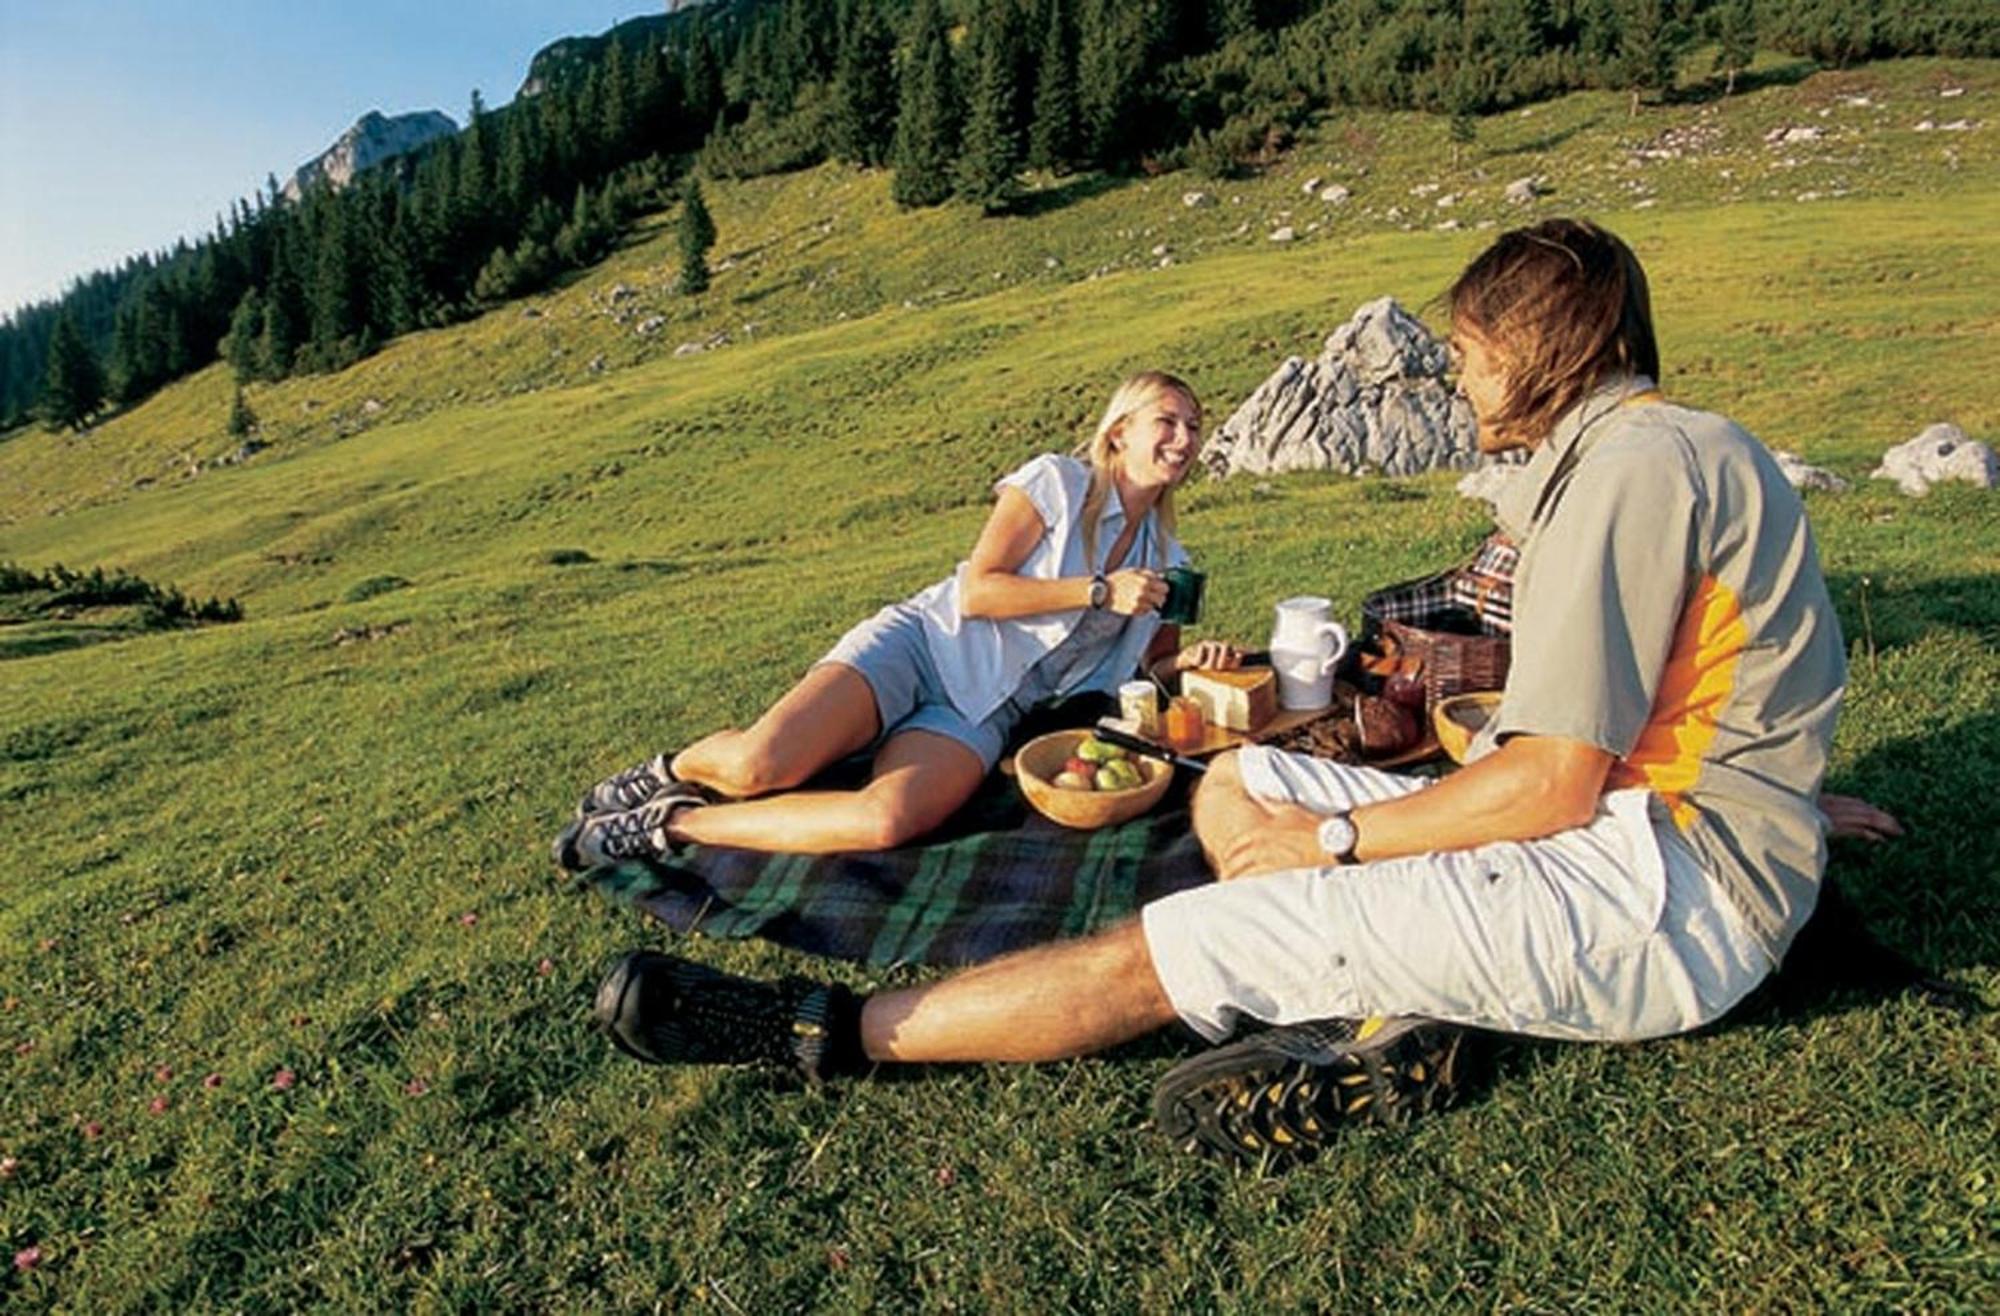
[1242, 700]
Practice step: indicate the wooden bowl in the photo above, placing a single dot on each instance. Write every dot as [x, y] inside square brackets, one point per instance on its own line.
[1038, 762]
[1459, 718]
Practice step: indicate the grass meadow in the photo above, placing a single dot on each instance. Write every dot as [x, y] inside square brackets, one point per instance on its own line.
[292, 1005]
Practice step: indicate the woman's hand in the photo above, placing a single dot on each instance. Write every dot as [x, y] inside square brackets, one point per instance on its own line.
[1856, 819]
[1135, 590]
[1212, 655]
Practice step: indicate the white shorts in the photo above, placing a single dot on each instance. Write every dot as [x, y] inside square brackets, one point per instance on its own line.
[1608, 932]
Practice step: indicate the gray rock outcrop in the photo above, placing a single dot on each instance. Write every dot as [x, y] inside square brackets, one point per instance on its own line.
[373, 139]
[1373, 399]
[1940, 453]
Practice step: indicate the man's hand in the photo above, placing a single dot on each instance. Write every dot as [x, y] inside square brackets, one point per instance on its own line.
[1856, 819]
[1285, 836]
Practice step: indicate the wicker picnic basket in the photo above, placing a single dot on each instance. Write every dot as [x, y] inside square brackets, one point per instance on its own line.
[1451, 628]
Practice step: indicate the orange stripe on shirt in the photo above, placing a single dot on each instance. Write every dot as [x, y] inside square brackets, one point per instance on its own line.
[1700, 677]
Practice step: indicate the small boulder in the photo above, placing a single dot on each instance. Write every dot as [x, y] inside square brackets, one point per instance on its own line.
[1197, 200]
[1942, 452]
[651, 325]
[1283, 233]
[1805, 477]
[1312, 185]
[1335, 194]
[1523, 191]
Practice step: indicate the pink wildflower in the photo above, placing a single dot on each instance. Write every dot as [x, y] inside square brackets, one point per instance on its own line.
[158, 1105]
[212, 1081]
[93, 1130]
[163, 1074]
[416, 1087]
[7, 1167]
[545, 968]
[27, 1258]
[283, 1079]
[468, 919]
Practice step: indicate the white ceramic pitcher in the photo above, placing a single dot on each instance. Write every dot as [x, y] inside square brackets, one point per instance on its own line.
[1306, 645]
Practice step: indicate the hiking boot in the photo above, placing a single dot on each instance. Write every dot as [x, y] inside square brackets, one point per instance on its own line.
[664, 1010]
[1281, 1094]
[608, 838]
[630, 788]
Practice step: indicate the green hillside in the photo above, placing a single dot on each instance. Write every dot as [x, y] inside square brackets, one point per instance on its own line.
[494, 562]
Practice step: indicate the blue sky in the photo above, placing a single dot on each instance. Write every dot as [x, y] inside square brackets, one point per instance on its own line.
[124, 124]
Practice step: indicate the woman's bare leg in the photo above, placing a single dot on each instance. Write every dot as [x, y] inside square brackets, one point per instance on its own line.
[828, 715]
[1045, 1003]
[921, 778]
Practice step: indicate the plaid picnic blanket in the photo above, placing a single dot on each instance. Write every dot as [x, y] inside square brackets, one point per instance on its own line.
[998, 877]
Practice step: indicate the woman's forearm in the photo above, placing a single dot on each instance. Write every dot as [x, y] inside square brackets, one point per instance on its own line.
[1000, 595]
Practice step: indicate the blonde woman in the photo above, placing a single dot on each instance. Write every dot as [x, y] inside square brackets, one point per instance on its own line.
[1059, 596]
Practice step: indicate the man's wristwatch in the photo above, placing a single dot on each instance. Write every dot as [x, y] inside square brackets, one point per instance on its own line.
[1338, 836]
[1100, 592]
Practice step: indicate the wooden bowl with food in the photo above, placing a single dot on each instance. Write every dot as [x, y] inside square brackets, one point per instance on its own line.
[1461, 717]
[1118, 785]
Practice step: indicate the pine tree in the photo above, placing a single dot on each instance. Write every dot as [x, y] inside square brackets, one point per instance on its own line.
[1111, 56]
[991, 156]
[1649, 43]
[1052, 136]
[928, 114]
[864, 90]
[74, 384]
[697, 235]
[242, 420]
[239, 348]
[1736, 40]
[702, 80]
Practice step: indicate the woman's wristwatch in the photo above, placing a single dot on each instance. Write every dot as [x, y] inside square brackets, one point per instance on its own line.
[1100, 591]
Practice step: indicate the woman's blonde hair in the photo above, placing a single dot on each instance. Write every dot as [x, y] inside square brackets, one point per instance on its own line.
[1100, 450]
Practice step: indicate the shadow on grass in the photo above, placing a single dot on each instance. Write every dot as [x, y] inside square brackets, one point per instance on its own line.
[1894, 917]
[1547, 141]
[1883, 612]
[1066, 194]
[1788, 74]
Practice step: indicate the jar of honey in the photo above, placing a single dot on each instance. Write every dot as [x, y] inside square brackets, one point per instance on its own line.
[1185, 727]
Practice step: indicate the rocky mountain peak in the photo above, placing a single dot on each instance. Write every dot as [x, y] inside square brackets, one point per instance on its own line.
[375, 137]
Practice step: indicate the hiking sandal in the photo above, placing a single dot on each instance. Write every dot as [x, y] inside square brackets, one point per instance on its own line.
[1279, 1096]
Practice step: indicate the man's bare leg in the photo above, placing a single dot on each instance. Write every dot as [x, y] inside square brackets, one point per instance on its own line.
[1045, 1003]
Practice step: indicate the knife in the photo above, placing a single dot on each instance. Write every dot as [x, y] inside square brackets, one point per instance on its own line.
[1113, 735]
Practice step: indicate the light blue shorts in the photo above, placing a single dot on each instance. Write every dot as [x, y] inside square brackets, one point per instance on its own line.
[890, 652]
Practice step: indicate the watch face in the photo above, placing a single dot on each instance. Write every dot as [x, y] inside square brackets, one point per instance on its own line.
[1337, 836]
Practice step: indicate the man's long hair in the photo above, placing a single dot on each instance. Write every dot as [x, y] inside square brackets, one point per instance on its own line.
[1564, 303]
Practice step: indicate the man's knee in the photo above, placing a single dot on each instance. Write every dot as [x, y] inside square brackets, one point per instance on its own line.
[1217, 805]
